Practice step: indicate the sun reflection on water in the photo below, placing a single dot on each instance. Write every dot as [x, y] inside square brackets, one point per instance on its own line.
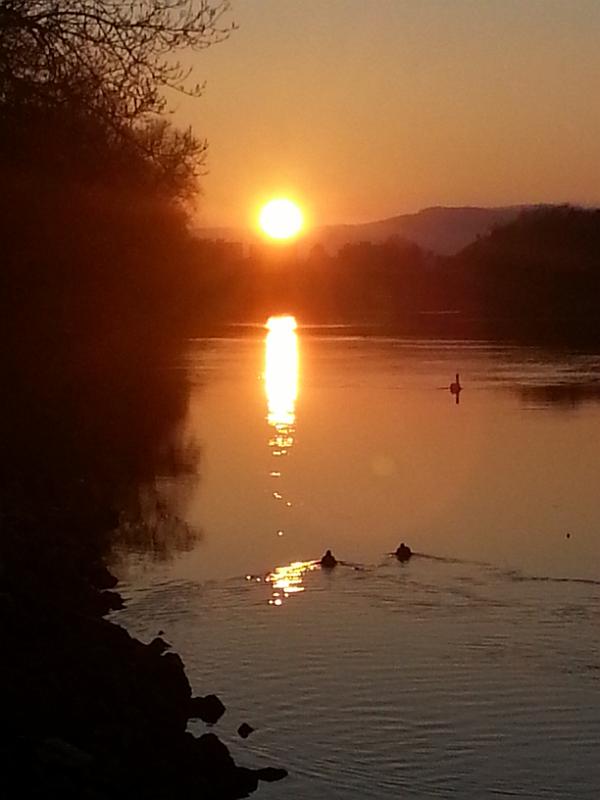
[281, 381]
[288, 580]
[281, 388]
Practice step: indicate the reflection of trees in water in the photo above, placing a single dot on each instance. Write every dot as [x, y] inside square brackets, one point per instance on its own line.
[152, 527]
[563, 395]
[83, 444]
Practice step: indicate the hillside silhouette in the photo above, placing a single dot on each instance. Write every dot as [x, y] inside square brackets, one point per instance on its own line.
[536, 276]
[440, 229]
[443, 230]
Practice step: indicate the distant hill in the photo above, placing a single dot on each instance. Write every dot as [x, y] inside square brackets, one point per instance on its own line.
[442, 230]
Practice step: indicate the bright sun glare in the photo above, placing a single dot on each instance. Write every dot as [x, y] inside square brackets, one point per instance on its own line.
[281, 218]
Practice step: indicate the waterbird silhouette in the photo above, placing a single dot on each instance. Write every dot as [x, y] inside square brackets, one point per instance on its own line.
[403, 552]
[328, 561]
[456, 388]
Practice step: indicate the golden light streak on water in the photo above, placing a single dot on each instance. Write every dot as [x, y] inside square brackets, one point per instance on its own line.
[281, 388]
[288, 580]
[281, 379]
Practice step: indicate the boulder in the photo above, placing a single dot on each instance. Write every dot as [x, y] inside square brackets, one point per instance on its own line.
[209, 709]
[271, 774]
[245, 730]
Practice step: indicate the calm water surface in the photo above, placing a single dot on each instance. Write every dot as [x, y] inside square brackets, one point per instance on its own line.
[472, 671]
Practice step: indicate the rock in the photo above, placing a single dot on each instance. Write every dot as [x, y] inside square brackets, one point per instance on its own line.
[213, 754]
[158, 646]
[209, 709]
[101, 577]
[245, 781]
[271, 774]
[245, 730]
[112, 601]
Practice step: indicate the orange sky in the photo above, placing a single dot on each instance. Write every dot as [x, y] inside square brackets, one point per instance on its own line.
[362, 109]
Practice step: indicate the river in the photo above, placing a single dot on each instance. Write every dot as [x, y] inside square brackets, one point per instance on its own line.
[470, 671]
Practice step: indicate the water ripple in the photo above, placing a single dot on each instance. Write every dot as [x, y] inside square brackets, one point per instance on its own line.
[464, 681]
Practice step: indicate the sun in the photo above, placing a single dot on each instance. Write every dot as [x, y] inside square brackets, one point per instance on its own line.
[280, 218]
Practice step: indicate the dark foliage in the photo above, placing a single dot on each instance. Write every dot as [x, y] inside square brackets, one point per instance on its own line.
[538, 277]
[93, 225]
[112, 58]
[99, 280]
[535, 278]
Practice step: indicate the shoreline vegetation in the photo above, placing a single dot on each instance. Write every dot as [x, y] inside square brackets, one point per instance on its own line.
[97, 290]
[534, 279]
[89, 710]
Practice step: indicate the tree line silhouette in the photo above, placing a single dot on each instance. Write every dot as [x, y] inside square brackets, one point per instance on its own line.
[537, 277]
[99, 281]
[97, 182]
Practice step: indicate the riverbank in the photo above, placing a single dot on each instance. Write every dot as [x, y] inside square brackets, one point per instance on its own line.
[89, 711]
[92, 711]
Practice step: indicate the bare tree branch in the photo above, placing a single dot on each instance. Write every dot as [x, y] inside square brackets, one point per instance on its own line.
[109, 62]
[127, 47]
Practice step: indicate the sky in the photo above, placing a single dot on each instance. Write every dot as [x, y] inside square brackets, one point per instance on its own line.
[364, 109]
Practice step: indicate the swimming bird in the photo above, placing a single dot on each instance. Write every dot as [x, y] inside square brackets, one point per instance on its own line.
[455, 387]
[328, 561]
[403, 552]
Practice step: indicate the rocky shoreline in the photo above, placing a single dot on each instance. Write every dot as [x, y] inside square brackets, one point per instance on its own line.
[90, 711]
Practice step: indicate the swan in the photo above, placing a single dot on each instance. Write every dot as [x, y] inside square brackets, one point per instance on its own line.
[455, 387]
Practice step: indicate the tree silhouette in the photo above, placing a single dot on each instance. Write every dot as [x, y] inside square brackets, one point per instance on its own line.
[121, 50]
[96, 71]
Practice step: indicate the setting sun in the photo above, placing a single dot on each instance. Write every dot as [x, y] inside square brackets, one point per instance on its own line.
[281, 218]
